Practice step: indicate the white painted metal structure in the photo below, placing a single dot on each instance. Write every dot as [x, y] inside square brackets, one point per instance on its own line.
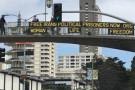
[12, 82]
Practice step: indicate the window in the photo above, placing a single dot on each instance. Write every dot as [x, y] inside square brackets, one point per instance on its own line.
[44, 45]
[86, 17]
[42, 62]
[44, 71]
[72, 66]
[44, 75]
[87, 59]
[72, 63]
[44, 53]
[32, 57]
[30, 66]
[60, 66]
[82, 59]
[60, 60]
[72, 57]
[82, 56]
[60, 63]
[72, 60]
[77, 66]
[44, 58]
[87, 56]
[60, 56]
[44, 66]
[44, 49]
[86, 8]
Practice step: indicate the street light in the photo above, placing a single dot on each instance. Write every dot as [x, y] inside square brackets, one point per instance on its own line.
[49, 3]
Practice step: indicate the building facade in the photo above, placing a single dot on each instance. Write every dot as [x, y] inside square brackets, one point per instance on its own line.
[70, 64]
[90, 17]
[40, 58]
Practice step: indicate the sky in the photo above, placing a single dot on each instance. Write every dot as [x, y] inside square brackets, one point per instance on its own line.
[121, 8]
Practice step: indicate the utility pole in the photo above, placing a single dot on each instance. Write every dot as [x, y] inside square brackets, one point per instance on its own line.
[45, 10]
[93, 60]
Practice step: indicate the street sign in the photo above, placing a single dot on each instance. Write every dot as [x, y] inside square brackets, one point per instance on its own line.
[23, 74]
[82, 24]
[95, 74]
[89, 74]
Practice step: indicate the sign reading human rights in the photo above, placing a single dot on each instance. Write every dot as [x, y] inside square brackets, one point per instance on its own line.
[120, 32]
[82, 24]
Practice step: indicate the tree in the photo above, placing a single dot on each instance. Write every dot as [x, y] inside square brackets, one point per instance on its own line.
[133, 73]
[112, 75]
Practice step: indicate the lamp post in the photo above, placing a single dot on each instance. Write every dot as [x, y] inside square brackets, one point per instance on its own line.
[94, 59]
[45, 10]
[48, 3]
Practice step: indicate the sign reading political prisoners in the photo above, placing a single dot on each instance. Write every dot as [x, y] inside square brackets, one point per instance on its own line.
[120, 32]
[82, 24]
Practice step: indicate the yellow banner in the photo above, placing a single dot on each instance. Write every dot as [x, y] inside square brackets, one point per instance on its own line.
[95, 74]
[120, 32]
[82, 24]
[38, 30]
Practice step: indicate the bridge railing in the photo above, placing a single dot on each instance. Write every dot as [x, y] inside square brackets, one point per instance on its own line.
[12, 28]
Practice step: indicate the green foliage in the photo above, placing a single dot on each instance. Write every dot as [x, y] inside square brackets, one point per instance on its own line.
[112, 75]
[47, 86]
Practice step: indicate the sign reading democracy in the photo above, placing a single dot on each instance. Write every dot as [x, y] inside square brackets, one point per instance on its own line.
[82, 24]
[120, 32]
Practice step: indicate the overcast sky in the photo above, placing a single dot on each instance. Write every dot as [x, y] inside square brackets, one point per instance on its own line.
[122, 8]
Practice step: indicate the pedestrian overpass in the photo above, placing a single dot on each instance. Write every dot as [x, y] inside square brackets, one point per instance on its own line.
[18, 34]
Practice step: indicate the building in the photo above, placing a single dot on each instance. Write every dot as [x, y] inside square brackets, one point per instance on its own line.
[4, 66]
[89, 17]
[70, 64]
[40, 58]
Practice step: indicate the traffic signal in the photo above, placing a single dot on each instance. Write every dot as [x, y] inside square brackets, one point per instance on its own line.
[58, 12]
[2, 54]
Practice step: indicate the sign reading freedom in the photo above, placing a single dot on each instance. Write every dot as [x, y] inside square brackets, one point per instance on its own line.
[82, 24]
[120, 32]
